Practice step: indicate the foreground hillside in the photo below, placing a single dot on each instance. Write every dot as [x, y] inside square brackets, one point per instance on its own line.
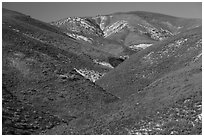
[42, 84]
[170, 105]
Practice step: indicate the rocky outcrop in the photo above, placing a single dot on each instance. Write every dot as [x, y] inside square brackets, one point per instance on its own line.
[89, 74]
[79, 25]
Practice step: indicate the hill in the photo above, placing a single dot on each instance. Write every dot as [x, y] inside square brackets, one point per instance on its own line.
[42, 84]
[143, 68]
[124, 73]
[123, 34]
[171, 105]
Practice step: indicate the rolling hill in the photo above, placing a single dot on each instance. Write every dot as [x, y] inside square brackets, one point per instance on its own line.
[145, 67]
[42, 79]
[124, 73]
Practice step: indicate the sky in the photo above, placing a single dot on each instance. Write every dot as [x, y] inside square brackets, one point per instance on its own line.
[53, 11]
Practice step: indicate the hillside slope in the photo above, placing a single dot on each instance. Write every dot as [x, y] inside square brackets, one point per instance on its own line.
[170, 105]
[42, 84]
[50, 35]
[125, 73]
[145, 67]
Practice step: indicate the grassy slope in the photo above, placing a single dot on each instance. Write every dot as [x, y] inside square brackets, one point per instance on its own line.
[145, 67]
[170, 105]
[42, 94]
[39, 81]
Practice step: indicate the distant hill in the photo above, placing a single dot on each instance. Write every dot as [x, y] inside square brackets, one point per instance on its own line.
[120, 32]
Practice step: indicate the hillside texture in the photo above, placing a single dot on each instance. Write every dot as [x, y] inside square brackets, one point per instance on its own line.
[134, 73]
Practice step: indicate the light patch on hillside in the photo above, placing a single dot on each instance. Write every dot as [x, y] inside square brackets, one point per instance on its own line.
[79, 37]
[139, 46]
[114, 28]
[82, 21]
[177, 43]
[16, 30]
[103, 63]
[78, 24]
[124, 57]
[89, 74]
[103, 21]
[197, 57]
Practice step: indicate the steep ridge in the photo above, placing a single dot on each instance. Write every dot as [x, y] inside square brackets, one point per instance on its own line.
[80, 25]
[143, 68]
[85, 30]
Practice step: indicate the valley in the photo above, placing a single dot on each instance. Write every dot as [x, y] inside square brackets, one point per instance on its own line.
[131, 73]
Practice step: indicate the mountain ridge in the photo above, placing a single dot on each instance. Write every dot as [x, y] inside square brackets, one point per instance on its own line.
[122, 28]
